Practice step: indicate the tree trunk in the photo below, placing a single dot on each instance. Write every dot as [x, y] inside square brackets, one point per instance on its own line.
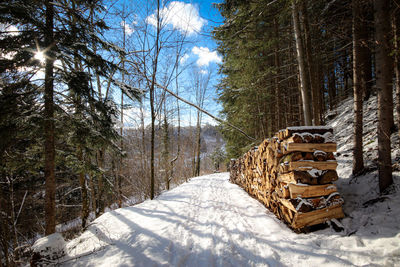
[311, 65]
[49, 145]
[84, 193]
[97, 199]
[78, 114]
[92, 193]
[331, 73]
[367, 15]
[143, 143]
[396, 31]
[178, 152]
[100, 193]
[121, 160]
[359, 87]
[152, 142]
[4, 227]
[166, 148]
[319, 70]
[305, 94]
[278, 103]
[152, 89]
[198, 143]
[384, 74]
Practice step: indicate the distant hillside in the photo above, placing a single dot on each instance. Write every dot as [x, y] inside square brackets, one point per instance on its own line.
[211, 139]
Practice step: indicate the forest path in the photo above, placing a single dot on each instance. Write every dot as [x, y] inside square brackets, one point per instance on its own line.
[206, 222]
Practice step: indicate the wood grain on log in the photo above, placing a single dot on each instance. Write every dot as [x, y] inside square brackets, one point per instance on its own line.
[302, 220]
[311, 190]
[307, 147]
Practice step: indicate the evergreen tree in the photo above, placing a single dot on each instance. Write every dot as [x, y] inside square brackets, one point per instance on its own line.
[76, 120]
[217, 157]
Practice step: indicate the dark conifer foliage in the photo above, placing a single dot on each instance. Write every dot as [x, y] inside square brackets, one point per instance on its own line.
[62, 112]
[287, 63]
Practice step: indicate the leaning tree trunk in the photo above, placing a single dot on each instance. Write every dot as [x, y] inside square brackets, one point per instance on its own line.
[49, 144]
[359, 87]
[305, 94]
[384, 73]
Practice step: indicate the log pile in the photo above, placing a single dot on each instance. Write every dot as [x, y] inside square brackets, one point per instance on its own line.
[292, 174]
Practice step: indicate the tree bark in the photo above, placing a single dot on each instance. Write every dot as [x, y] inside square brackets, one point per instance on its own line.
[82, 183]
[178, 152]
[152, 142]
[384, 74]
[396, 32]
[152, 89]
[278, 103]
[121, 160]
[359, 87]
[97, 199]
[332, 92]
[367, 18]
[78, 114]
[49, 146]
[100, 193]
[311, 65]
[143, 141]
[304, 86]
[92, 193]
[198, 144]
[166, 148]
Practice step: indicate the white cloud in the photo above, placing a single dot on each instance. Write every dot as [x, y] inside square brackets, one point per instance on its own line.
[184, 58]
[204, 72]
[206, 56]
[182, 16]
[128, 29]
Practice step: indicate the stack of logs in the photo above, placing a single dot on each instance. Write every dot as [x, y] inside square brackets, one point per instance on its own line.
[292, 175]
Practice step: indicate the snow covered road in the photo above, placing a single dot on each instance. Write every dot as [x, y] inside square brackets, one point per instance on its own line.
[211, 222]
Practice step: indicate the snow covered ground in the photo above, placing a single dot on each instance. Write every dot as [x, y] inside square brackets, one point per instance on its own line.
[211, 222]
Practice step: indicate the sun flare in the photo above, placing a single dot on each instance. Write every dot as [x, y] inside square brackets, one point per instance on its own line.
[40, 56]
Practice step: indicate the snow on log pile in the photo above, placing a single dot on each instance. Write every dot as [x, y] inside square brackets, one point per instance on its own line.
[292, 174]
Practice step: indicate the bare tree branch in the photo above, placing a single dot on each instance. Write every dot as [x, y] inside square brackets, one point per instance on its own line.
[205, 112]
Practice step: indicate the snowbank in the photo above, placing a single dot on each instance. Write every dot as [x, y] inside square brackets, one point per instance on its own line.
[48, 249]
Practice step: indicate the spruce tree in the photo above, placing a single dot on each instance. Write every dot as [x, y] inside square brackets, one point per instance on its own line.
[75, 115]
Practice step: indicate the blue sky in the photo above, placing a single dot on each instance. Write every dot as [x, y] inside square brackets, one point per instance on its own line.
[195, 19]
